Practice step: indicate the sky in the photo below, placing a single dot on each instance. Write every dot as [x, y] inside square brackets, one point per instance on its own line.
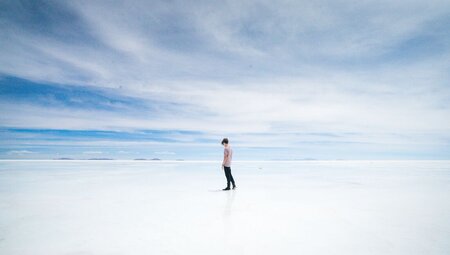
[169, 79]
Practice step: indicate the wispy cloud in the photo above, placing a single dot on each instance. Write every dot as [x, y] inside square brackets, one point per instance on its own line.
[165, 153]
[265, 73]
[92, 152]
[20, 152]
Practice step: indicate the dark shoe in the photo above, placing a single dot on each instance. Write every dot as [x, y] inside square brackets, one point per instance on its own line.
[234, 186]
[227, 188]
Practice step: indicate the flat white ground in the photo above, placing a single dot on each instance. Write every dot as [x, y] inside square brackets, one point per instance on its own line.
[309, 207]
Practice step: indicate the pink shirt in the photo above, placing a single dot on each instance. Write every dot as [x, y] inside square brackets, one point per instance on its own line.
[227, 152]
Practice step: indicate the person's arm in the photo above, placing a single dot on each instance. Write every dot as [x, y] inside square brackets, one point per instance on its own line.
[225, 157]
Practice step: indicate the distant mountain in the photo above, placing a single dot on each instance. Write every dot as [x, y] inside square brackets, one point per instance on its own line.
[100, 159]
[63, 159]
[155, 159]
[140, 159]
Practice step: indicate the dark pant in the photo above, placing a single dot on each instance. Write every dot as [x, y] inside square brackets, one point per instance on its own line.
[227, 170]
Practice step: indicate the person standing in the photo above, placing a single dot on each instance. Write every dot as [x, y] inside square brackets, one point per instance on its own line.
[226, 164]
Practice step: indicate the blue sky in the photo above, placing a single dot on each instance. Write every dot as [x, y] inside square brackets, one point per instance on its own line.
[169, 79]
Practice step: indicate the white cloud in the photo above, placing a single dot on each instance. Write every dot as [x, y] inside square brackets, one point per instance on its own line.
[164, 152]
[20, 152]
[244, 67]
[92, 152]
[271, 37]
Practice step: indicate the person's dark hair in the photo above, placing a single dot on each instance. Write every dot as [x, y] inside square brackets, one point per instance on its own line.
[225, 141]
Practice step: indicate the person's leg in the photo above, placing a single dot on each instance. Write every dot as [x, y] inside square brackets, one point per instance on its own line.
[227, 174]
[232, 179]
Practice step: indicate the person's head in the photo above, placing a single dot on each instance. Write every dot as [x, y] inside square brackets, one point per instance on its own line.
[225, 141]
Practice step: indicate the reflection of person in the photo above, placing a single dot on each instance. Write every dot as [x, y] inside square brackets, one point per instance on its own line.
[226, 164]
